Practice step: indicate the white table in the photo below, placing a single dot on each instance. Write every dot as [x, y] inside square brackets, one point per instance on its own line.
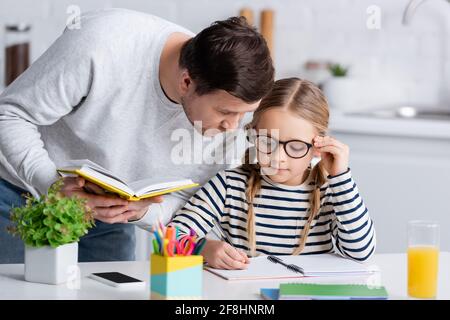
[12, 285]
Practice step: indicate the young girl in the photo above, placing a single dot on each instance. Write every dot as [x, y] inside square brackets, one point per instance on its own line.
[281, 204]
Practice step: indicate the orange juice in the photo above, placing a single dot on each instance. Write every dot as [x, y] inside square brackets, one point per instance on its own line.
[422, 271]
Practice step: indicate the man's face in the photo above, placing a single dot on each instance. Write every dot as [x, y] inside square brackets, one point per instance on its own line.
[218, 111]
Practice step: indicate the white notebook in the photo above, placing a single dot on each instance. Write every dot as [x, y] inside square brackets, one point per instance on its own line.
[322, 265]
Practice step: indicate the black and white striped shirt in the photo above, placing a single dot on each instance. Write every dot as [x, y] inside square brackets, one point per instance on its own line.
[343, 224]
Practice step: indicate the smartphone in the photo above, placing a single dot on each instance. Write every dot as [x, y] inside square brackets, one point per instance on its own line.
[117, 279]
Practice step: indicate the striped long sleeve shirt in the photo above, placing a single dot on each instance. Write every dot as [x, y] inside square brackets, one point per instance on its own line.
[343, 224]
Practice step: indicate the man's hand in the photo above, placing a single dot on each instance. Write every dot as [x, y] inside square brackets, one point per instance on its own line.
[106, 207]
[137, 209]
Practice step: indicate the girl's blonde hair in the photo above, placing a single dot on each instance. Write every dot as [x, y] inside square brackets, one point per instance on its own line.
[307, 101]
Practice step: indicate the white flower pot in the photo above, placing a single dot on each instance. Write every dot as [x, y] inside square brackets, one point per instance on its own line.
[50, 265]
[342, 93]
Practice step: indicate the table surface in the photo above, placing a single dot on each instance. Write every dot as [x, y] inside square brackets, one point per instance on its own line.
[393, 275]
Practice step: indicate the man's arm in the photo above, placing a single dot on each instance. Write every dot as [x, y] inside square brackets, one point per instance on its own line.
[48, 90]
[51, 88]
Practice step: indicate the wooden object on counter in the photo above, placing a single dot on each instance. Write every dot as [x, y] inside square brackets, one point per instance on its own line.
[17, 60]
[247, 13]
[267, 23]
[17, 50]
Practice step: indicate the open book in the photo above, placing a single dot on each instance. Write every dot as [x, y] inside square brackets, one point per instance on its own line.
[321, 265]
[132, 191]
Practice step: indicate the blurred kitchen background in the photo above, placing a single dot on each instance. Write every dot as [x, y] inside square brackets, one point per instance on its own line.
[383, 64]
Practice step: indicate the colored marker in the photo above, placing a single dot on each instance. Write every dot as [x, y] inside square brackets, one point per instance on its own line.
[166, 242]
[200, 245]
[155, 246]
[169, 233]
[159, 241]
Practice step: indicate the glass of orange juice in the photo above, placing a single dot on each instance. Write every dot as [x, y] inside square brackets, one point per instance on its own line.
[423, 259]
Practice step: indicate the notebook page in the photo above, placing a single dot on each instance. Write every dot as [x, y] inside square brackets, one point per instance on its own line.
[259, 268]
[325, 264]
[313, 265]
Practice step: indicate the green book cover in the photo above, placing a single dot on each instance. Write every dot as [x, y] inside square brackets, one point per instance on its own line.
[331, 291]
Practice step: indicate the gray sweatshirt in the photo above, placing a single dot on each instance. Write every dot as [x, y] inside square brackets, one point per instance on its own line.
[95, 94]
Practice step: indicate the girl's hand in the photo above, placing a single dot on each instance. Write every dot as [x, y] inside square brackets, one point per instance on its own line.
[334, 154]
[221, 255]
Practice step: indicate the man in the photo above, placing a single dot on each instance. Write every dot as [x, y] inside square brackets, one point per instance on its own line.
[113, 91]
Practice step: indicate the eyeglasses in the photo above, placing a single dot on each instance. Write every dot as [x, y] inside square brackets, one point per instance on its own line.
[294, 148]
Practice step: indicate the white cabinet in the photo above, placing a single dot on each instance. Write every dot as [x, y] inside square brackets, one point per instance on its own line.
[401, 179]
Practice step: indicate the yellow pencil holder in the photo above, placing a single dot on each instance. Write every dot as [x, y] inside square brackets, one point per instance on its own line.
[177, 277]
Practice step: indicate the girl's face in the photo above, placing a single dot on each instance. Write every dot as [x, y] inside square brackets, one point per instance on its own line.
[283, 125]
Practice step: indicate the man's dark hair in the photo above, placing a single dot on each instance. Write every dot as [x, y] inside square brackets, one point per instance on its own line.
[232, 56]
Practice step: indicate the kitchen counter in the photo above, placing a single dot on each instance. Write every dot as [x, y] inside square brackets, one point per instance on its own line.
[411, 128]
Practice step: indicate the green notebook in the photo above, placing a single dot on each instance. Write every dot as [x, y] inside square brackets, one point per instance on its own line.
[295, 291]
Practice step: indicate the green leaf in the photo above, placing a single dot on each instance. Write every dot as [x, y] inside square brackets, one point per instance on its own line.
[338, 70]
[51, 220]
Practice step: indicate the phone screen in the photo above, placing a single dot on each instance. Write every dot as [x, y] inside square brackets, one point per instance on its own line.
[116, 277]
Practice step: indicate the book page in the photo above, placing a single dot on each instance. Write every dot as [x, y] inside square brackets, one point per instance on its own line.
[88, 163]
[149, 185]
[108, 180]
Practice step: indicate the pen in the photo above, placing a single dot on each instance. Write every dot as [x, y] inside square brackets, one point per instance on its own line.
[222, 235]
[161, 226]
[159, 232]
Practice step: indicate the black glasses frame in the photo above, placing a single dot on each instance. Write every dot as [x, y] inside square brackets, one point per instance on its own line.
[283, 143]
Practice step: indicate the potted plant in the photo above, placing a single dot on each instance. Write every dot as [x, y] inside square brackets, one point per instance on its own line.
[51, 226]
[340, 89]
[338, 70]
